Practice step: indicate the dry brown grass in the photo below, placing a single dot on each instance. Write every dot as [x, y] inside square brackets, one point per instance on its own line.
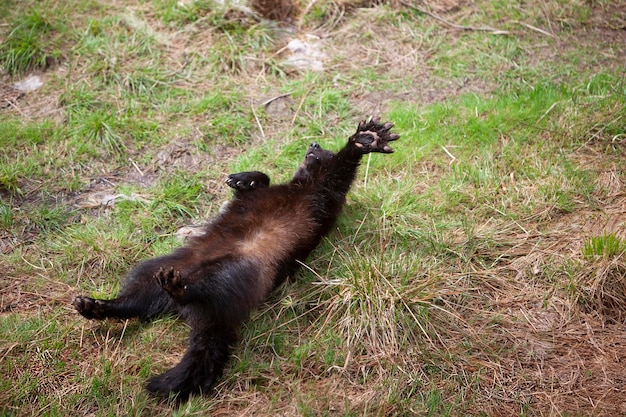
[281, 10]
[557, 350]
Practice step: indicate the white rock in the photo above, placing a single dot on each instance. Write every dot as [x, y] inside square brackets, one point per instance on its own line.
[306, 55]
[31, 83]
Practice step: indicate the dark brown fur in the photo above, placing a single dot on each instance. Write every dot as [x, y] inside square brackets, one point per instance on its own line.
[217, 279]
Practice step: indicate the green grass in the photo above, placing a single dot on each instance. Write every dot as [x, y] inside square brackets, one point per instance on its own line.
[459, 272]
[606, 245]
[27, 45]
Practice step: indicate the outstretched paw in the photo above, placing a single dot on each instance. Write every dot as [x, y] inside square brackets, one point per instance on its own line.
[373, 136]
[90, 308]
[171, 281]
[244, 181]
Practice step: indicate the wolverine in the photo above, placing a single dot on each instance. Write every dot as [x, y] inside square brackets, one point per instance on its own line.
[256, 241]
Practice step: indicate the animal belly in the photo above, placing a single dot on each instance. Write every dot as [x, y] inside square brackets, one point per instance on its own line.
[269, 243]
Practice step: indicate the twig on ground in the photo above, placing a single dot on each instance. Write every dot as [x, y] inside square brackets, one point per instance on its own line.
[494, 31]
[452, 157]
[258, 122]
[536, 29]
[136, 167]
[295, 116]
[547, 111]
[271, 100]
[11, 104]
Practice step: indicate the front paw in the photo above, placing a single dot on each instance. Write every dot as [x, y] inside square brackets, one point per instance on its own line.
[171, 281]
[373, 136]
[244, 181]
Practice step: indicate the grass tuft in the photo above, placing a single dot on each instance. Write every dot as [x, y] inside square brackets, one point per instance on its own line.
[26, 47]
[605, 246]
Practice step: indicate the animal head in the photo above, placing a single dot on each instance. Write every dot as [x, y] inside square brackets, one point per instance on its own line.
[314, 160]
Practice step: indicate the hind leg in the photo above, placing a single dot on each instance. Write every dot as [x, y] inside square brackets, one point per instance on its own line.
[201, 366]
[140, 297]
[215, 301]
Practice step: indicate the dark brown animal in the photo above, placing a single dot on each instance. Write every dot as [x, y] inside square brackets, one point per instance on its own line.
[257, 241]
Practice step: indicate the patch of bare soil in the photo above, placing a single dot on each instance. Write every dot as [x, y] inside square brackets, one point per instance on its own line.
[431, 90]
[9, 95]
[279, 108]
[396, 54]
[181, 153]
[31, 293]
[406, 57]
[610, 19]
[177, 154]
[30, 97]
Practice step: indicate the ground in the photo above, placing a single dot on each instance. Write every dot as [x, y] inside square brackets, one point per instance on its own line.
[480, 270]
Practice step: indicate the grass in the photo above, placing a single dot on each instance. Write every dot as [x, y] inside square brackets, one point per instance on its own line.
[476, 271]
[606, 245]
[26, 46]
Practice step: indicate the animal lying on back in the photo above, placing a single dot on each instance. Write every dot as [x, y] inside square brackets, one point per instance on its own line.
[254, 244]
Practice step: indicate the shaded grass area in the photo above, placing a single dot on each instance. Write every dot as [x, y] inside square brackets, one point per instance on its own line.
[477, 271]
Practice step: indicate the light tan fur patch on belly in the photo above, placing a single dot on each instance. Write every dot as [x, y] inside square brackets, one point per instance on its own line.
[273, 238]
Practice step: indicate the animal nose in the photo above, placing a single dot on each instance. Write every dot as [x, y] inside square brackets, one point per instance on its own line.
[315, 145]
